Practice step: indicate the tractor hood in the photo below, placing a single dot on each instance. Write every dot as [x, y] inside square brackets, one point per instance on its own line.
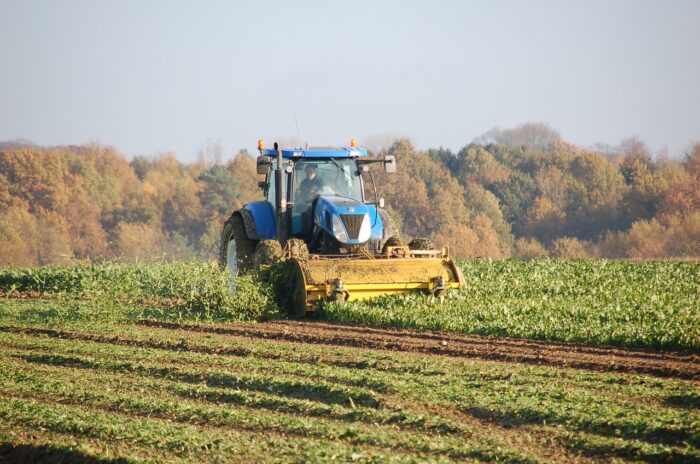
[348, 221]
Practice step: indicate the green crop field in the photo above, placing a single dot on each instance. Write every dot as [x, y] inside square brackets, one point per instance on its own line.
[644, 304]
[637, 304]
[122, 363]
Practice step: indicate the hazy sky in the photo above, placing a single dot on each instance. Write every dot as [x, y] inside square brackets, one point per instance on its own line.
[155, 76]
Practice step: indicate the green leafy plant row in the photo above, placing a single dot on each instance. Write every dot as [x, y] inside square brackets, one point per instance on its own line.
[644, 304]
[191, 290]
[160, 394]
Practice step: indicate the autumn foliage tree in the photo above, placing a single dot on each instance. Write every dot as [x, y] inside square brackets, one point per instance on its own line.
[89, 203]
[523, 193]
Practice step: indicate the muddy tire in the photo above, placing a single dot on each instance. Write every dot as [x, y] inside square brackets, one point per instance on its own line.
[390, 229]
[297, 248]
[394, 240]
[236, 249]
[421, 244]
[297, 303]
[267, 252]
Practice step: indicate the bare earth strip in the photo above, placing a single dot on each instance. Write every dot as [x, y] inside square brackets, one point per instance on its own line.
[598, 358]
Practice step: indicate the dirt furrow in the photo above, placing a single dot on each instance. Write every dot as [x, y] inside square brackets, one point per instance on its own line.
[599, 358]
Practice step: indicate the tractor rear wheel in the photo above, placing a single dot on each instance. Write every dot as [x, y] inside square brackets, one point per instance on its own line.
[236, 250]
[421, 243]
[391, 232]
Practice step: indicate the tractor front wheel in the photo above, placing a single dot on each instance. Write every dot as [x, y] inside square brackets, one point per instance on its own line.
[236, 250]
[297, 302]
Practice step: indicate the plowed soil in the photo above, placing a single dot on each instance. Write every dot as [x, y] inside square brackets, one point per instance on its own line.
[570, 355]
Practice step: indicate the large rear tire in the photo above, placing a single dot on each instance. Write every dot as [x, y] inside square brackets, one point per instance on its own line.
[421, 243]
[391, 235]
[236, 250]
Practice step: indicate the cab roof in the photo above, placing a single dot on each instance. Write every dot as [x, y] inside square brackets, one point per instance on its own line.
[317, 152]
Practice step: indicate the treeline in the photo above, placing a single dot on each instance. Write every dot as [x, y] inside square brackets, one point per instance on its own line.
[89, 203]
[499, 200]
[494, 198]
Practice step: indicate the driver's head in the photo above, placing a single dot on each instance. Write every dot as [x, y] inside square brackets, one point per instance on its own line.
[310, 171]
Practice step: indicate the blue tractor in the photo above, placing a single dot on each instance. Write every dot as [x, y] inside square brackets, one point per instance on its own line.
[316, 199]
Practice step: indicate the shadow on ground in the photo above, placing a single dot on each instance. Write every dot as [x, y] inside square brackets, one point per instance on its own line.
[49, 454]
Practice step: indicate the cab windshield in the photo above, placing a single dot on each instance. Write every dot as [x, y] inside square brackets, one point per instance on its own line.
[314, 177]
[333, 176]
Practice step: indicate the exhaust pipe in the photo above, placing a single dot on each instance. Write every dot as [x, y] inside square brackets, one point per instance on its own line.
[280, 200]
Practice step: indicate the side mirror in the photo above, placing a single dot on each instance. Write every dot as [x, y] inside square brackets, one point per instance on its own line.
[262, 163]
[389, 164]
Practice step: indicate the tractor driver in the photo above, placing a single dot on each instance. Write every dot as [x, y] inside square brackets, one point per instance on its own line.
[311, 185]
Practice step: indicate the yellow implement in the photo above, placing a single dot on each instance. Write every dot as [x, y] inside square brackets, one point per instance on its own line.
[359, 278]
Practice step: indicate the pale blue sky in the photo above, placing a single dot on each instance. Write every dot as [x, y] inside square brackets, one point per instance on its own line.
[155, 76]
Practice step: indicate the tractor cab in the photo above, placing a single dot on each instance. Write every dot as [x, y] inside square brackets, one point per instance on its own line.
[324, 196]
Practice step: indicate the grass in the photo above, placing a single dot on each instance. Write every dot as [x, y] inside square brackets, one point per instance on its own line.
[120, 391]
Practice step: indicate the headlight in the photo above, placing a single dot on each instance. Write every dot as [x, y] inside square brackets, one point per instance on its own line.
[339, 229]
[365, 230]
